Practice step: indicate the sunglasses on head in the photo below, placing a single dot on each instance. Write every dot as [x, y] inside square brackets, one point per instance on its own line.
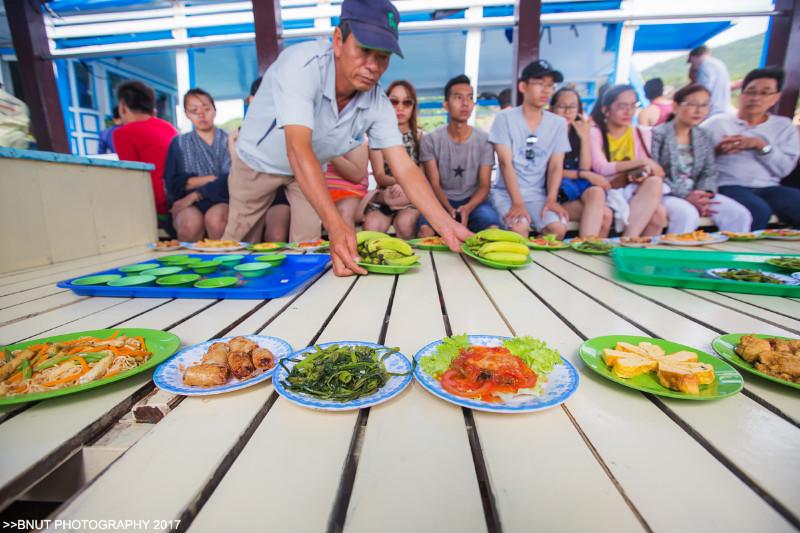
[530, 142]
[408, 102]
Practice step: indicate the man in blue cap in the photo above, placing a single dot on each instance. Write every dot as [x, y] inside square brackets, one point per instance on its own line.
[315, 103]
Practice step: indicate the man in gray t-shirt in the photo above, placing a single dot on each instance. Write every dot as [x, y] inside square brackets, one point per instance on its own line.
[530, 143]
[458, 161]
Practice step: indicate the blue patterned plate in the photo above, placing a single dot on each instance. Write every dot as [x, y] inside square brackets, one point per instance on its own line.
[396, 363]
[562, 382]
[169, 376]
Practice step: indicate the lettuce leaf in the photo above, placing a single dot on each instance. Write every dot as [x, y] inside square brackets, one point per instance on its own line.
[534, 352]
[438, 362]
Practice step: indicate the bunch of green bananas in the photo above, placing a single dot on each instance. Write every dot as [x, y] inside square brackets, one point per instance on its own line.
[500, 246]
[378, 248]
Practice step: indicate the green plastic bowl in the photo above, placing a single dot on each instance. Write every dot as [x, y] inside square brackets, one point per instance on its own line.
[96, 280]
[229, 260]
[205, 267]
[174, 260]
[133, 281]
[133, 270]
[178, 280]
[217, 283]
[164, 271]
[273, 259]
[252, 270]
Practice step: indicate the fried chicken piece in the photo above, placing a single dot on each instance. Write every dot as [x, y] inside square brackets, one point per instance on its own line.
[263, 359]
[780, 345]
[242, 344]
[241, 365]
[750, 347]
[207, 375]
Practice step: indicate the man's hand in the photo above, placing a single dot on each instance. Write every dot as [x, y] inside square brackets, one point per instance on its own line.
[464, 211]
[453, 234]
[555, 207]
[516, 215]
[344, 252]
[183, 203]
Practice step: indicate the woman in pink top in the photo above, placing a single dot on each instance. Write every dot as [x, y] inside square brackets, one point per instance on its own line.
[660, 107]
[621, 153]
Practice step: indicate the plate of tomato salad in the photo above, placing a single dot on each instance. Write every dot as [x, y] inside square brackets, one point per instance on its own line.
[496, 374]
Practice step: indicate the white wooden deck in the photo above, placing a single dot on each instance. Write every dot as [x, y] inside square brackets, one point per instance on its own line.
[610, 459]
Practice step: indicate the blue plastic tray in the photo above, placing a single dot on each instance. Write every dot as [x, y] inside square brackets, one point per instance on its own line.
[294, 272]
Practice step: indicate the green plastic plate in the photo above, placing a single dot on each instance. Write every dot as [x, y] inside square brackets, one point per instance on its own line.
[136, 269]
[387, 269]
[776, 262]
[725, 346]
[577, 247]
[132, 281]
[178, 280]
[417, 243]
[493, 264]
[160, 343]
[533, 246]
[164, 271]
[217, 283]
[727, 381]
[96, 280]
[274, 259]
[257, 248]
[687, 269]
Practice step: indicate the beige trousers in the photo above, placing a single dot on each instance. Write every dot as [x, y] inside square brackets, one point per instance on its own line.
[252, 193]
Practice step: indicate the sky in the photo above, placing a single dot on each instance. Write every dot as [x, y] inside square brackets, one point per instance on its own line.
[744, 27]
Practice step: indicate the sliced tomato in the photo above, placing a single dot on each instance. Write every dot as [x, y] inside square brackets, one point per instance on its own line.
[454, 383]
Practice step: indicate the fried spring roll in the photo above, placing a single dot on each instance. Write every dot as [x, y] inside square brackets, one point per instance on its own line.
[241, 365]
[263, 359]
[217, 354]
[205, 375]
[241, 344]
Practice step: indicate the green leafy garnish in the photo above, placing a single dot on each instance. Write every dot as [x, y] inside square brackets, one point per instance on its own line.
[438, 362]
[534, 352]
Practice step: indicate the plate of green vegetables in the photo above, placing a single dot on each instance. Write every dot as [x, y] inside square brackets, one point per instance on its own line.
[342, 376]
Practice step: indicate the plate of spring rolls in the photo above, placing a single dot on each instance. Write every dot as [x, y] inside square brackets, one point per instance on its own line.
[221, 365]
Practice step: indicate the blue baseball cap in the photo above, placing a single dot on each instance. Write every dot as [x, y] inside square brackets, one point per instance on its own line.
[374, 23]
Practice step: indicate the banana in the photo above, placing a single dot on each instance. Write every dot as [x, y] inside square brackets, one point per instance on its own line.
[495, 234]
[506, 257]
[364, 236]
[503, 246]
[389, 254]
[390, 243]
[403, 261]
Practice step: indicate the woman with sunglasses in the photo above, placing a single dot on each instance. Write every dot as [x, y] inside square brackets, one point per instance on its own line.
[621, 153]
[389, 205]
[583, 192]
[687, 154]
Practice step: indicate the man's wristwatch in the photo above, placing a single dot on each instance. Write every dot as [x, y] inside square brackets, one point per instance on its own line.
[767, 149]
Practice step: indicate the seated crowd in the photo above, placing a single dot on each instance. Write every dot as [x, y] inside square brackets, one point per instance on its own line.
[607, 171]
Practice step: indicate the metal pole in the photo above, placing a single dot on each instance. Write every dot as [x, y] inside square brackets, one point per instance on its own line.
[269, 32]
[38, 74]
[527, 28]
[784, 50]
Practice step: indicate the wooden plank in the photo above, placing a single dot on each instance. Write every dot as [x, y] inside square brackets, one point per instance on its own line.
[437, 484]
[72, 263]
[41, 305]
[303, 448]
[764, 313]
[38, 324]
[717, 422]
[66, 266]
[46, 434]
[629, 433]
[684, 328]
[785, 306]
[28, 296]
[517, 458]
[82, 271]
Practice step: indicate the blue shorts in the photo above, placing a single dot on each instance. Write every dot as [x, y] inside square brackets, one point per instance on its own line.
[482, 217]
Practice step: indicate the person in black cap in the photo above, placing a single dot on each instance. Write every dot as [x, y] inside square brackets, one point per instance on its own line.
[315, 103]
[530, 143]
